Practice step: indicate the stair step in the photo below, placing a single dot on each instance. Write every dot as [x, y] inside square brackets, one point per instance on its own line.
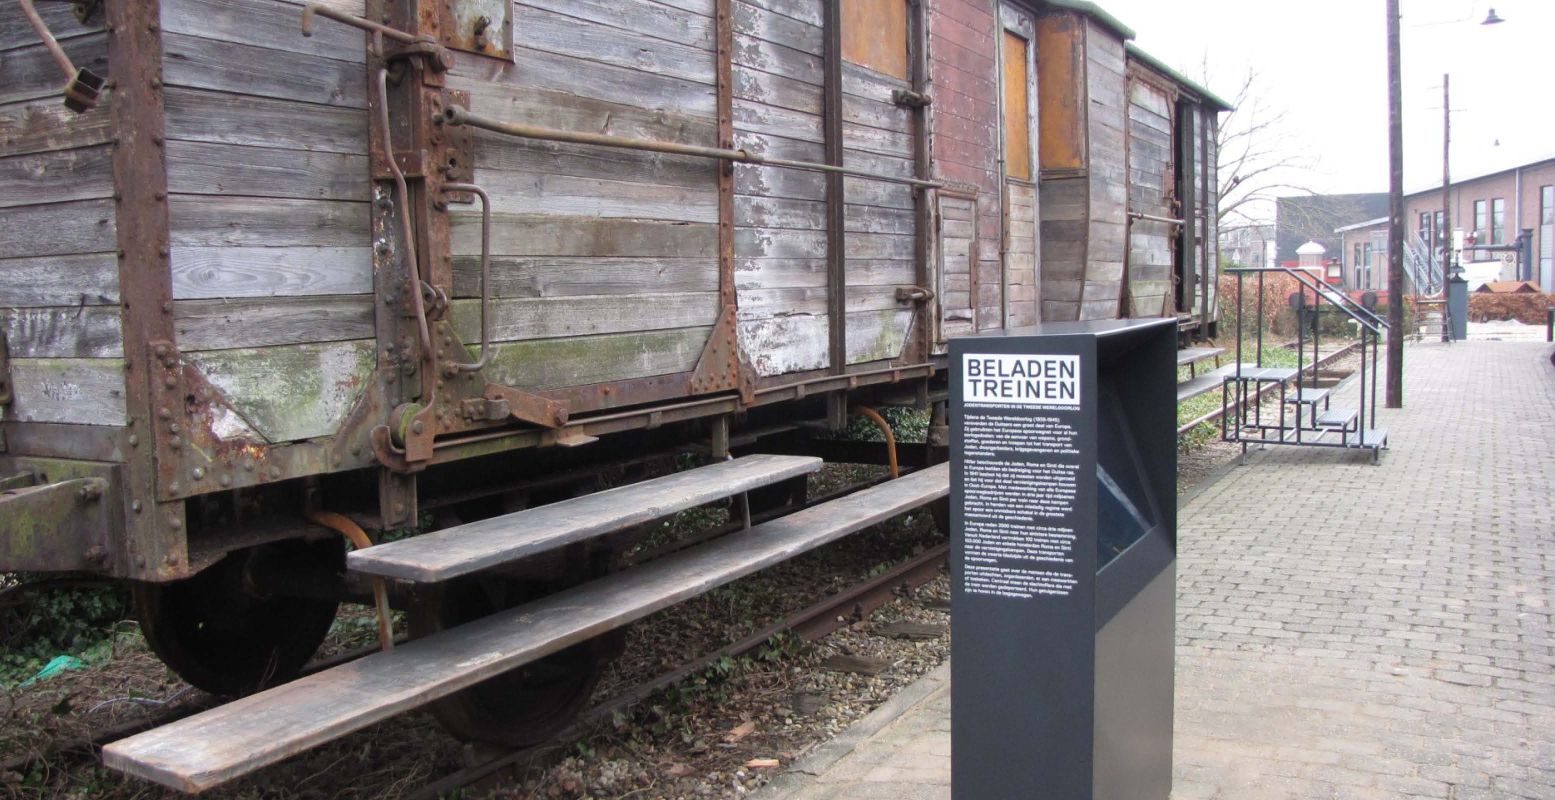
[1337, 418]
[463, 549]
[1371, 437]
[1252, 373]
[224, 743]
[1193, 355]
[1193, 387]
[1306, 395]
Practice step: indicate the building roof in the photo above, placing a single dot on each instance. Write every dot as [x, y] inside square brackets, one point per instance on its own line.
[1359, 225]
[1456, 181]
[1209, 97]
[1311, 249]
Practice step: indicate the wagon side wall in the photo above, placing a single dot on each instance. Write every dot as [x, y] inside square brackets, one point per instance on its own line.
[59, 295]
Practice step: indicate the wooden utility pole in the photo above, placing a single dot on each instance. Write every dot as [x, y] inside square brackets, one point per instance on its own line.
[1446, 205]
[1395, 374]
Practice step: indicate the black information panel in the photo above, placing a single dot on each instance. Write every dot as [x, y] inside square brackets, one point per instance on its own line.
[1062, 608]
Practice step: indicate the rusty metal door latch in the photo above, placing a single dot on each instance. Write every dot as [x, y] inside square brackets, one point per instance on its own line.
[82, 86]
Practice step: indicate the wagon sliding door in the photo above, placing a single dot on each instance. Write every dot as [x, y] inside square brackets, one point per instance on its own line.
[605, 261]
[1154, 276]
[1018, 119]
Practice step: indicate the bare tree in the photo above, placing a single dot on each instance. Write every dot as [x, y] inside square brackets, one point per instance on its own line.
[1255, 158]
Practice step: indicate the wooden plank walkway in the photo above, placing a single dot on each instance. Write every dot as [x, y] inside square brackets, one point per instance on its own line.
[463, 549]
[224, 743]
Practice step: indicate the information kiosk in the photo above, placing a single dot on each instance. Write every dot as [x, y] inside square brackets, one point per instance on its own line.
[1064, 519]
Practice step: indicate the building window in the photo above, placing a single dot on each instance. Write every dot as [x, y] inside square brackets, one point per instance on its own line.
[1366, 266]
[1355, 267]
[1439, 242]
[1425, 228]
[1498, 221]
[1481, 220]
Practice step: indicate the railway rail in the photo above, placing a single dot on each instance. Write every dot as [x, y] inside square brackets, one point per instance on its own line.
[810, 623]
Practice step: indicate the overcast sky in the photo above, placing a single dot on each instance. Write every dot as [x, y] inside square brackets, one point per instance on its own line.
[1324, 64]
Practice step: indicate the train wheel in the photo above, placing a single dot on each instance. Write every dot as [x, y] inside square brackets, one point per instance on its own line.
[525, 706]
[224, 635]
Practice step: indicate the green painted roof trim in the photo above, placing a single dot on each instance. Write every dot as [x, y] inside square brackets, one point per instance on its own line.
[1092, 10]
[1156, 64]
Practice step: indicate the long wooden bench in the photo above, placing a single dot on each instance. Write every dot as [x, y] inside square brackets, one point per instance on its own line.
[224, 743]
[463, 549]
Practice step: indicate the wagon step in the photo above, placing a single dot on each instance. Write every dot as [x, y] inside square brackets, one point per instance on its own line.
[224, 743]
[463, 549]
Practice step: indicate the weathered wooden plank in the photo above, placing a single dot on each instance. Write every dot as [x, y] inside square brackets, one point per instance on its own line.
[523, 192]
[777, 59]
[558, 72]
[227, 169]
[588, 360]
[233, 67]
[78, 226]
[221, 744]
[877, 335]
[776, 182]
[291, 392]
[533, 235]
[213, 272]
[776, 90]
[79, 391]
[760, 303]
[38, 126]
[31, 72]
[16, 31]
[213, 221]
[269, 24]
[637, 16]
[55, 177]
[774, 243]
[521, 102]
[807, 11]
[463, 549]
[792, 343]
[630, 49]
[63, 332]
[262, 322]
[577, 276]
[773, 120]
[205, 116]
[68, 280]
[873, 219]
[541, 318]
[757, 22]
[770, 212]
[506, 154]
[777, 273]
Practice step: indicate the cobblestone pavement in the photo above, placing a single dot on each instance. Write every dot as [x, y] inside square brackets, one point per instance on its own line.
[1345, 630]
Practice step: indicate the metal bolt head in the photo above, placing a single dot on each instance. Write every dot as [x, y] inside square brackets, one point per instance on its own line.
[198, 473]
[226, 480]
[417, 427]
[136, 506]
[175, 442]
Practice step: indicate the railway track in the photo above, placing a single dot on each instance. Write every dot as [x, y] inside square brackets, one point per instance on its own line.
[810, 623]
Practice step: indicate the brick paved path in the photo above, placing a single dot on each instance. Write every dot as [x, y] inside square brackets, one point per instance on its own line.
[1345, 630]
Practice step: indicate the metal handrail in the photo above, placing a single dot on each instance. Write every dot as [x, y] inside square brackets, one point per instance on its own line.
[1327, 292]
[454, 115]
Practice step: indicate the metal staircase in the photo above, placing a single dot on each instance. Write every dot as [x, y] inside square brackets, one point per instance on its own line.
[1306, 415]
[1427, 279]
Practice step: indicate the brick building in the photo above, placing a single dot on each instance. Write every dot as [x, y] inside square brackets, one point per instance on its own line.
[1493, 208]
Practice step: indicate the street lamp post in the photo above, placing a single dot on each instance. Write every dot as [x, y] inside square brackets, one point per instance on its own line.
[1395, 371]
[1395, 374]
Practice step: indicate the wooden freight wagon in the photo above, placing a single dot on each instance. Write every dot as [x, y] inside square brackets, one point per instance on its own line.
[280, 270]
